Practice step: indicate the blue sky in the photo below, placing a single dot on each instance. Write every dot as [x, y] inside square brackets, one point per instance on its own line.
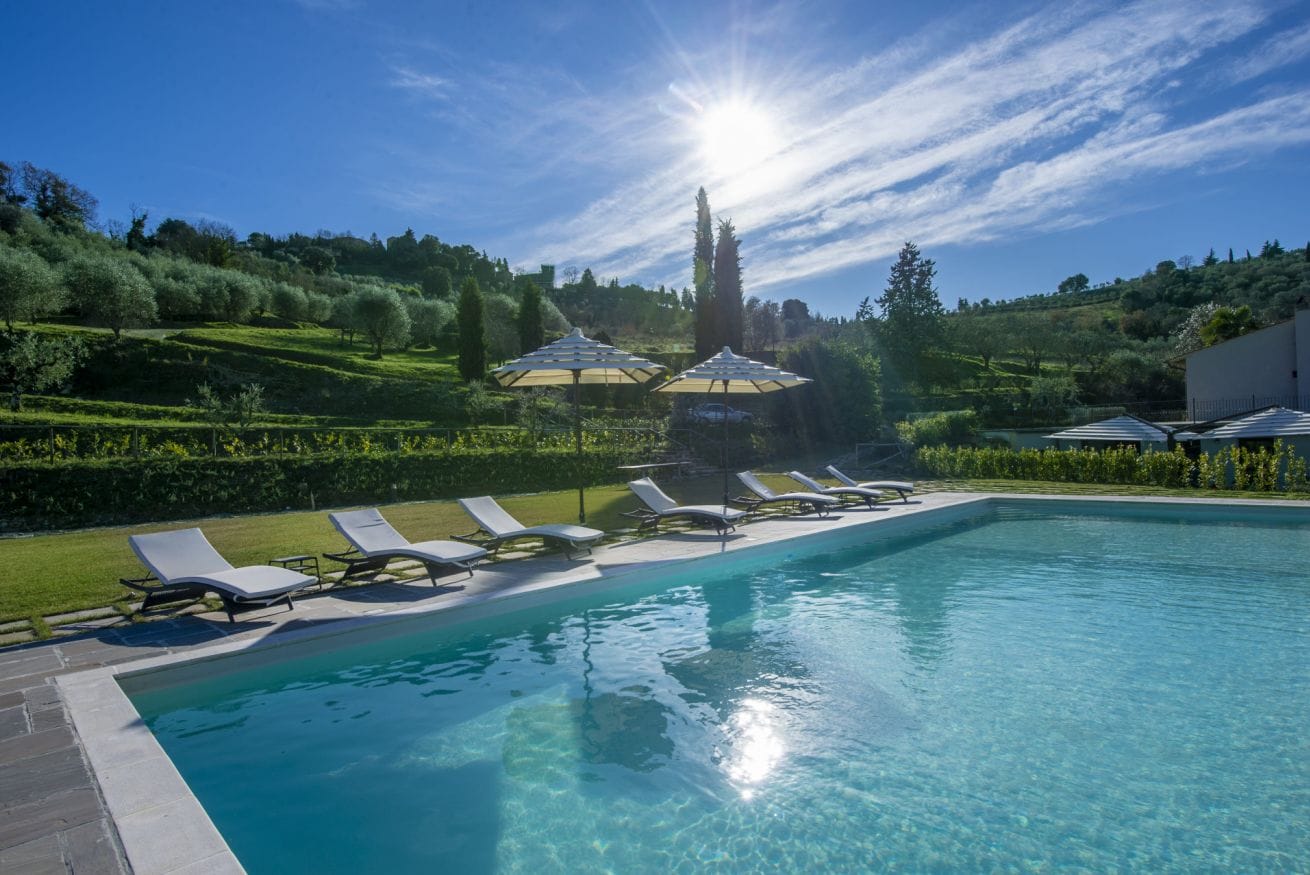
[1015, 143]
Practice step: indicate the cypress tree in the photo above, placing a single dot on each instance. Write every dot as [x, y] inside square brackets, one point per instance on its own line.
[532, 329]
[727, 288]
[702, 271]
[1230, 255]
[472, 332]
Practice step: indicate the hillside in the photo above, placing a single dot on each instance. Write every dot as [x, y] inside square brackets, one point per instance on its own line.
[310, 375]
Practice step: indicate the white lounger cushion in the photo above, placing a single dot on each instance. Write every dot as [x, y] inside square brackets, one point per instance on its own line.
[810, 483]
[754, 484]
[372, 535]
[897, 485]
[658, 501]
[497, 522]
[185, 556]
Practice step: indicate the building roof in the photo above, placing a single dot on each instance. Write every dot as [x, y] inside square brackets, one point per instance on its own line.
[1271, 422]
[1120, 429]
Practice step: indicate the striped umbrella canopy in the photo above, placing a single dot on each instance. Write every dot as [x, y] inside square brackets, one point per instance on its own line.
[734, 373]
[570, 361]
[575, 359]
[738, 375]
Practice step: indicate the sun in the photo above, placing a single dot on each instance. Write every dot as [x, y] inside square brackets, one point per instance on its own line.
[736, 135]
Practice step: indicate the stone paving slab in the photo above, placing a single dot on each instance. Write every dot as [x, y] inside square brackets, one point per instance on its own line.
[13, 722]
[49, 815]
[37, 857]
[35, 744]
[91, 614]
[92, 849]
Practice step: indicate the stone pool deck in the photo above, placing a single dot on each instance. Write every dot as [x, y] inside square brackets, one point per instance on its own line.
[131, 813]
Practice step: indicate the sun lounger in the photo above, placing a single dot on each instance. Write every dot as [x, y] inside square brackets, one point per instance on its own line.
[496, 526]
[898, 486]
[820, 504]
[374, 543]
[858, 493]
[187, 566]
[658, 506]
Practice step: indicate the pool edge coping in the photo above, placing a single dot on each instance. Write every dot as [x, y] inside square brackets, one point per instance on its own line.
[162, 826]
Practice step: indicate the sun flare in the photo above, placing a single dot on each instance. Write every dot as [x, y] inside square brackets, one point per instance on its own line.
[736, 135]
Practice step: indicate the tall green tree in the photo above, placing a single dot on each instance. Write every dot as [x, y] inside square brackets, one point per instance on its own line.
[531, 323]
[472, 332]
[436, 282]
[912, 315]
[702, 264]
[380, 315]
[1076, 283]
[844, 403]
[727, 288]
[59, 202]
[110, 292]
[29, 289]
[137, 240]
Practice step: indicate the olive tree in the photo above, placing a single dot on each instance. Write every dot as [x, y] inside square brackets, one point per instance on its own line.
[380, 315]
[29, 289]
[111, 292]
[31, 363]
[427, 319]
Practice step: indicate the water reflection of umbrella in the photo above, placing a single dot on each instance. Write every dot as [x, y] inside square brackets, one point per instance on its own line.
[573, 360]
[737, 374]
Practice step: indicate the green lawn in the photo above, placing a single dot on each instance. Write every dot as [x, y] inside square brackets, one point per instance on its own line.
[56, 573]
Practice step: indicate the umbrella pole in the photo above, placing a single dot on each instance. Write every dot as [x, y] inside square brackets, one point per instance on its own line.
[725, 446]
[577, 429]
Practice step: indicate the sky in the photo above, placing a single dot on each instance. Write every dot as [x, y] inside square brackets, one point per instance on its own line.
[1015, 143]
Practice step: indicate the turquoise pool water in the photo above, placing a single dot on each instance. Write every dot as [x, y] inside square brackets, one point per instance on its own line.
[1017, 691]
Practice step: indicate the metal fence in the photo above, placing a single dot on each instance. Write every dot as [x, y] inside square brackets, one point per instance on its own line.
[1204, 410]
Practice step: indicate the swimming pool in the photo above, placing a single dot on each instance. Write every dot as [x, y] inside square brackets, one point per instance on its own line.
[1024, 688]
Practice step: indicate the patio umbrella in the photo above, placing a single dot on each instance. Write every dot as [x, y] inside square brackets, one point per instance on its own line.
[736, 374]
[570, 361]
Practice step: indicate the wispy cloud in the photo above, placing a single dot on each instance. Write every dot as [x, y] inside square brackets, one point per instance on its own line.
[1047, 122]
[418, 82]
[1282, 48]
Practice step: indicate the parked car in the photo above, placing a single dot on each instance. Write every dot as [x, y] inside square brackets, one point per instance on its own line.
[713, 414]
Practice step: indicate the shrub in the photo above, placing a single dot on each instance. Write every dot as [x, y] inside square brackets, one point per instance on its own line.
[1262, 470]
[952, 428]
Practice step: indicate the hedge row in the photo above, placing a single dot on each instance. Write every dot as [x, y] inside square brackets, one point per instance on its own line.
[1261, 470]
[65, 443]
[72, 494]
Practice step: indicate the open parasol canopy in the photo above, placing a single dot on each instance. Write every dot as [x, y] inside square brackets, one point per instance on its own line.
[737, 375]
[570, 361]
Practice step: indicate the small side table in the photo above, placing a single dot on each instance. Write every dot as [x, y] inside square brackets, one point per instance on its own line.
[303, 563]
